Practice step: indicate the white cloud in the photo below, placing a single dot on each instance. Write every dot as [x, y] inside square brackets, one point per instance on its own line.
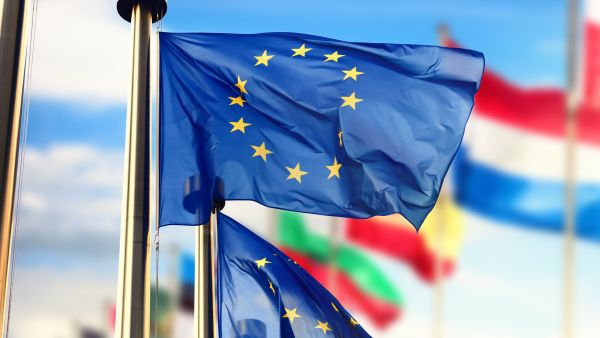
[82, 52]
[71, 201]
[49, 303]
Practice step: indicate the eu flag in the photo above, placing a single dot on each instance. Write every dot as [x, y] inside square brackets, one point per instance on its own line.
[261, 293]
[308, 124]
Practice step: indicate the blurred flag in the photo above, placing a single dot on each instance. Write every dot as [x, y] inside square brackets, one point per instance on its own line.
[439, 238]
[310, 124]
[161, 313]
[360, 284]
[592, 57]
[511, 166]
[263, 293]
[187, 270]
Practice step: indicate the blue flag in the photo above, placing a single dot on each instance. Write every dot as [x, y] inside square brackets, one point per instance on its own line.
[308, 124]
[261, 293]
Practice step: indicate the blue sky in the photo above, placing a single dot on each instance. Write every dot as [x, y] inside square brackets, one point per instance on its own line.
[508, 284]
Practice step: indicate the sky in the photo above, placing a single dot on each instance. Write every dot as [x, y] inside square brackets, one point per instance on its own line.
[508, 282]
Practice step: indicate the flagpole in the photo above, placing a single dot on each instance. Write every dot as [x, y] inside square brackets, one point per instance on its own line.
[570, 170]
[203, 286]
[133, 303]
[335, 232]
[438, 295]
[13, 45]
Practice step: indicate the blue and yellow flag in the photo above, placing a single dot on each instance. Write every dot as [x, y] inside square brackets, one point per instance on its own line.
[308, 124]
[263, 293]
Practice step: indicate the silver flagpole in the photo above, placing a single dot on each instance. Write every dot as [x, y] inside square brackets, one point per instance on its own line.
[133, 299]
[204, 290]
[570, 169]
[13, 45]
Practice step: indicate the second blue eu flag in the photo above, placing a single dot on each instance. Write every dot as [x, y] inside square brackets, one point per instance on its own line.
[308, 124]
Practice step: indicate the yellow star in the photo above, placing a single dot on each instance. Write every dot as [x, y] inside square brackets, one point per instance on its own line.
[291, 314]
[263, 59]
[261, 151]
[335, 307]
[323, 326]
[240, 125]
[296, 173]
[352, 73]
[351, 101]
[242, 85]
[353, 322]
[334, 169]
[237, 100]
[271, 287]
[301, 51]
[340, 137]
[333, 56]
[261, 263]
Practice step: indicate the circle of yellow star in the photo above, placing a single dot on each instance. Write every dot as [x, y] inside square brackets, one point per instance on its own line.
[323, 326]
[242, 85]
[261, 263]
[334, 169]
[353, 322]
[237, 100]
[263, 59]
[352, 73]
[271, 287]
[261, 151]
[301, 51]
[296, 173]
[335, 307]
[291, 314]
[351, 101]
[240, 125]
[340, 137]
[335, 56]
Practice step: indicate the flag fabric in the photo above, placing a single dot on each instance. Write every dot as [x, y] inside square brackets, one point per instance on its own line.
[591, 98]
[512, 163]
[439, 238]
[261, 292]
[361, 284]
[309, 124]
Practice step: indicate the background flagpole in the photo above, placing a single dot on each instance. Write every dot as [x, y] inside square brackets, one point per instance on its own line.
[13, 44]
[570, 169]
[335, 233]
[438, 293]
[133, 304]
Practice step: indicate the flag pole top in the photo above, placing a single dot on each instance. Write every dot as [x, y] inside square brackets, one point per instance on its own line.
[158, 7]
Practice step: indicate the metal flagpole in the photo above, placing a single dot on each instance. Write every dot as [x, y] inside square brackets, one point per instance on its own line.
[204, 291]
[570, 168]
[438, 294]
[203, 286]
[133, 300]
[13, 44]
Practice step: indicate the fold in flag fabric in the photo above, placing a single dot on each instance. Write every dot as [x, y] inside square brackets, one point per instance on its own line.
[518, 176]
[440, 238]
[309, 124]
[261, 292]
[361, 284]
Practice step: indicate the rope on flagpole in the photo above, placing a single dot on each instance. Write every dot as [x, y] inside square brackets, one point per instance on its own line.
[156, 220]
[23, 139]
